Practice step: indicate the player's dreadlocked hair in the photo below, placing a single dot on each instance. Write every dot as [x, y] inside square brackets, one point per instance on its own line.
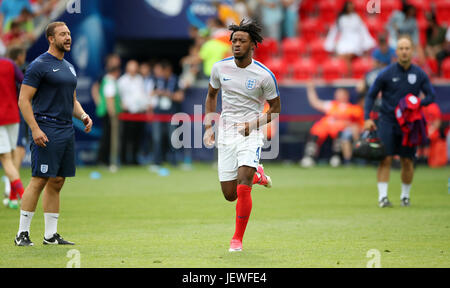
[251, 27]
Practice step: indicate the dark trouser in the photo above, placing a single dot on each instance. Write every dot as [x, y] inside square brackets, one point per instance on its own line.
[104, 149]
[161, 134]
[130, 141]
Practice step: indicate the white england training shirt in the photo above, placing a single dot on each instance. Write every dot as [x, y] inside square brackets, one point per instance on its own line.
[244, 91]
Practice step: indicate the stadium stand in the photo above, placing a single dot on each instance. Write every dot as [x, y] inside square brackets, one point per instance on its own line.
[306, 51]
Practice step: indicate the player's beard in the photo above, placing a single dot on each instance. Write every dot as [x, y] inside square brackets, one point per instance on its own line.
[243, 56]
[61, 48]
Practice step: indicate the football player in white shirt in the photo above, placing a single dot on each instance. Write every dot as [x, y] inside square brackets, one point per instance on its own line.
[246, 84]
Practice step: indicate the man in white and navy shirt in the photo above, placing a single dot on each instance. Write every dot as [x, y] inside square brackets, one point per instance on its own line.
[246, 84]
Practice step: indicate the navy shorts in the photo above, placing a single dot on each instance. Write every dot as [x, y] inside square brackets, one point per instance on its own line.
[24, 133]
[391, 135]
[58, 158]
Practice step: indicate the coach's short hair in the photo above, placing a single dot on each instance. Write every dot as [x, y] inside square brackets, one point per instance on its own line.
[406, 36]
[50, 30]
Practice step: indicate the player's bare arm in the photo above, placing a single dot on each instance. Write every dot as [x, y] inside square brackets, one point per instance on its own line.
[25, 97]
[265, 118]
[210, 108]
[78, 112]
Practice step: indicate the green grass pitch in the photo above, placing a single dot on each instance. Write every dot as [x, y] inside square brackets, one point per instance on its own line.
[322, 217]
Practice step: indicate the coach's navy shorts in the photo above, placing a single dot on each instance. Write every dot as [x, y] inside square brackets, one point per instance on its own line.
[58, 158]
[24, 133]
[391, 135]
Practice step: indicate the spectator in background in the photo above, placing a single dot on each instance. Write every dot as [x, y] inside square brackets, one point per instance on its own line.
[25, 19]
[435, 34]
[272, 17]
[108, 109]
[339, 115]
[191, 66]
[217, 47]
[134, 101]
[112, 60]
[290, 21]
[384, 54]
[43, 9]
[403, 22]
[11, 9]
[226, 13]
[242, 8]
[145, 70]
[349, 36]
[445, 51]
[16, 36]
[165, 87]
[2, 48]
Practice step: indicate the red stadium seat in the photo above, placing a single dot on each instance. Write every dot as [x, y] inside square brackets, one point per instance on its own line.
[443, 11]
[422, 26]
[433, 65]
[375, 26]
[361, 66]
[445, 67]
[318, 52]
[307, 7]
[361, 7]
[305, 69]
[266, 50]
[292, 48]
[387, 7]
[278, 68]
[328, 10]
[421, 7]
[311, 29]
[334, 69]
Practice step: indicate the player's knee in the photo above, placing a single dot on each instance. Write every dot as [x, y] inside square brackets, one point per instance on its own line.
[57, 183]
[386, 161]
[230, 195]
[407, 164]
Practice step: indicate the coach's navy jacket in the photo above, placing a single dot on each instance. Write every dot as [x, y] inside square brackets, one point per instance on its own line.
[395, 83]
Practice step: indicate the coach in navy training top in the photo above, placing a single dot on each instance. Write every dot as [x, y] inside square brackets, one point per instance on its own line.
[395, 82]
[48, 102]
[55, 81]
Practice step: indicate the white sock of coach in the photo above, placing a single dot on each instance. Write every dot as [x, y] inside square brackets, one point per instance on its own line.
[25, 221]
[51, 224]
[405, 190]
[382, 190]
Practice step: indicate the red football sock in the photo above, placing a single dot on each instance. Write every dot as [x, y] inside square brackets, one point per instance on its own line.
[12, 193]
[243, 210]
[17, 188]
